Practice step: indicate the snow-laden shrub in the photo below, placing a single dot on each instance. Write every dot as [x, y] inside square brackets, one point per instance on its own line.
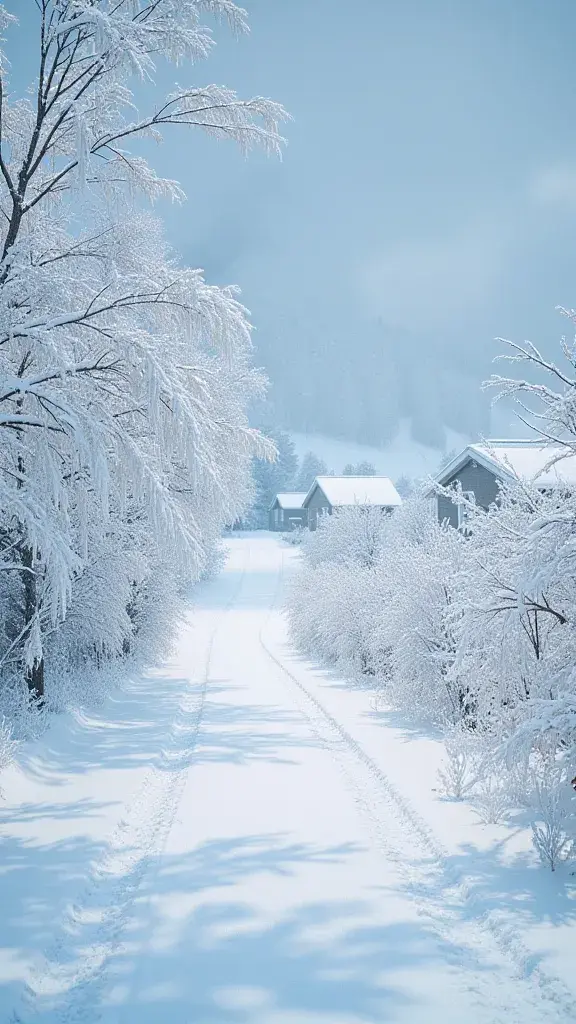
[353, 535]
[342, 636]
[553, 825]
[295, 537]
[374, 593]
[511, 614]
[461, 771]
[491, 800]
[333, 602]
[215, 561]
[415, 623]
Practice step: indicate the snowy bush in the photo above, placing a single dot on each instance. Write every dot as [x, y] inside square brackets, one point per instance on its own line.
[353, 535]
[491, 800]
[461, 770]
[553, 827]
[333, 606]
[375, 594]
[295, 537]
[124, 377]
[417, 626]
[343, 636]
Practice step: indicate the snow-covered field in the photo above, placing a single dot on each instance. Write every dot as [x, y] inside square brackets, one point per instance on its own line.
[240, 838]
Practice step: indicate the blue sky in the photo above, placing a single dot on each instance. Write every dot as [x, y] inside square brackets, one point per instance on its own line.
[430, 177]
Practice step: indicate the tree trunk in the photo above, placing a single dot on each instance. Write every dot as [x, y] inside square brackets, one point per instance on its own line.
[34, 673]
[35, 682]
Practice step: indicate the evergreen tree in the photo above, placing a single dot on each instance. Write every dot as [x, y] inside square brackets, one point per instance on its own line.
[271, 477]
[405, 486]
[361, 469]
[310, 468]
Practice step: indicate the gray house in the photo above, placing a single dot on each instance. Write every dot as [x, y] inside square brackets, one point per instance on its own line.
[332, 492]
[286, 512]
[481, 468]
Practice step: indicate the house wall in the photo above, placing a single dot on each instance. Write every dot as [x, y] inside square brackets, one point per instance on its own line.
[295, 517]
[471, 477]
[282, 519]
[316, 506]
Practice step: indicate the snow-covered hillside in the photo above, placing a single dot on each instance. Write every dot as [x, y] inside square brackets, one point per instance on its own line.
[402, 457]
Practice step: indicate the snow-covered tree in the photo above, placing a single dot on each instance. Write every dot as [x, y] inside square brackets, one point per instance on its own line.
[539, 595]
[360, 469]
[447, 458]
[271, 475]
[124, 376]
[310, 467]
[513, 620]
[405, 486]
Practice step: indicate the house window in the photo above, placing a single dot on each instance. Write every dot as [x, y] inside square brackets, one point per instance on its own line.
[464, 511]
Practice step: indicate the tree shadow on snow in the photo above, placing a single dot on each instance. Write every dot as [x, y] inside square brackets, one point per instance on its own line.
[189, 954]
[406, 726]
[237, 733]
[126, 732]
[141, 725]
[519, 894]
[535, 894]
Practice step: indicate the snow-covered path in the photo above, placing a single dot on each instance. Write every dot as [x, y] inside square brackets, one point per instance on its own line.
[234, 852]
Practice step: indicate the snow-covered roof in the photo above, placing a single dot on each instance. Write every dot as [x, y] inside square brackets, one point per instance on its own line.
[357, 490]
[290, 499]
[524, 459]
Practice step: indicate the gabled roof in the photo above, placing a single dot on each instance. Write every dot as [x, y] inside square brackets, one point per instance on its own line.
[356, 490]
[289, 499]
[527, 460]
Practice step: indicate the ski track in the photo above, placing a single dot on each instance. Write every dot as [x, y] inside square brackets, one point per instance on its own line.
[65, 991]
[60, 990]
[445, 897]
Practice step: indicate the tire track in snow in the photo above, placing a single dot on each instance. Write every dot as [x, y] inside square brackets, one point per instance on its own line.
[442, 894]
[61, 990]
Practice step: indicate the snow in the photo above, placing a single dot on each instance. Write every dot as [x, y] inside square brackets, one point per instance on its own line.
[240, 838]
[292, 499]
[401, 457]
[359, 490]
[529, 461]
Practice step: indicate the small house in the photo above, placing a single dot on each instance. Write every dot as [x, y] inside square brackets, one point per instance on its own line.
[287, 512]
[332, 492]
[480, 469]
